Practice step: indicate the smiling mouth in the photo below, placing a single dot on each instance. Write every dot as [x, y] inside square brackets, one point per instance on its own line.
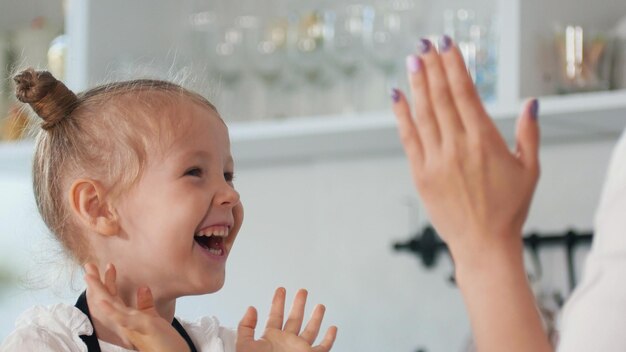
[212, 239]
[213, 244]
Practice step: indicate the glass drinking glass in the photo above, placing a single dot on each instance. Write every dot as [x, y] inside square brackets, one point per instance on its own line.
[344, 26]
[390, 36]
[476, 38]
[584, 58]
[226, 53]
[267, 53]
[307, 61]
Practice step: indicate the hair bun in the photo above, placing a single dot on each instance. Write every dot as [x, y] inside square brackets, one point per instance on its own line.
[50, 98]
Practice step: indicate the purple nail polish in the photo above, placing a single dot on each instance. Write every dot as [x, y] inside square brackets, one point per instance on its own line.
[423, 46]
[395, 95]
[413, 63]
[534, 109]
[445, 43]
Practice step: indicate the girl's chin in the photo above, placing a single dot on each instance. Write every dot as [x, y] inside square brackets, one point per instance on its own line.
[207, 288]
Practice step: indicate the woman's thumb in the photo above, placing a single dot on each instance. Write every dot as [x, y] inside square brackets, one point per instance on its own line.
[527, 135]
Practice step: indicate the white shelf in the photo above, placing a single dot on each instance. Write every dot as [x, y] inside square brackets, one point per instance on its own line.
[590, 116]
[563, 119]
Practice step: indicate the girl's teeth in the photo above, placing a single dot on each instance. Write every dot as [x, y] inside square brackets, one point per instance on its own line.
[215, 251]
[220, 232]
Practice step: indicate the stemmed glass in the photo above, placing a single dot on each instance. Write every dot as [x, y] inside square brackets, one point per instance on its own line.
[307, 61]
[345, 29]
[266, 48]
[226, 52]
[389, 37]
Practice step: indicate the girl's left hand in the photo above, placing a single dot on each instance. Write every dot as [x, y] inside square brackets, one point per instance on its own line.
[288, 337]
[141, 327]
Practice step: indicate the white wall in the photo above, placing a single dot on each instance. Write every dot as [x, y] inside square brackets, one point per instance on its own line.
[329, 226]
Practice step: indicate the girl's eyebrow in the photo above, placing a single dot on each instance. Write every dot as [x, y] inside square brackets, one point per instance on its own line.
[203, 154]
[196, 154]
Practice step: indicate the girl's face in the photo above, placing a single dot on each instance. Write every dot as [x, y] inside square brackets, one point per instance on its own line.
[180, 220]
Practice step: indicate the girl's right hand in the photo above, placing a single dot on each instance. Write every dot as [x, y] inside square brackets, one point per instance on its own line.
[141, 326]
[288, 337]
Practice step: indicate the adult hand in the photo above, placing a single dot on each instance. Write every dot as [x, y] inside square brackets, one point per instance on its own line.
[288, 337]
[476, 191]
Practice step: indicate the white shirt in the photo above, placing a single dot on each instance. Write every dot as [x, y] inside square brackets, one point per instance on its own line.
[57, 328]
[594, 318]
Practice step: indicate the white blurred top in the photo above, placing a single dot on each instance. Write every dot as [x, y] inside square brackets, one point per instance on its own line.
[594, 318]
[58, 328]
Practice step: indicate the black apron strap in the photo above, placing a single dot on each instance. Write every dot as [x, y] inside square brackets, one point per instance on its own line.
[92, 340]
[184, 334]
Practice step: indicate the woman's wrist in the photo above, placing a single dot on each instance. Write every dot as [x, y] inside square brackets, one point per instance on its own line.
[489, 258]
[496, 291]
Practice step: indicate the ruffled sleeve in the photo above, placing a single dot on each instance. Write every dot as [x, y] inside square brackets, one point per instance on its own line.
[209, 336]
[49, 329]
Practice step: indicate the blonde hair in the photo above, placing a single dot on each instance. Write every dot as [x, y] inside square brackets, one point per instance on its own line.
[101, 133]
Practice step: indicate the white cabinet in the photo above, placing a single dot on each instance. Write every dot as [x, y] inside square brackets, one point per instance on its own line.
[101, 32]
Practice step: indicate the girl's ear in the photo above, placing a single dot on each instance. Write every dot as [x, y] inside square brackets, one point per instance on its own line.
[88, 202]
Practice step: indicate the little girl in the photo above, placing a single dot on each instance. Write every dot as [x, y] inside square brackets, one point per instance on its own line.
[135, 179]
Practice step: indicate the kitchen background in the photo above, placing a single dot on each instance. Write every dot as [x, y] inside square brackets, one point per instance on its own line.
[303, 86]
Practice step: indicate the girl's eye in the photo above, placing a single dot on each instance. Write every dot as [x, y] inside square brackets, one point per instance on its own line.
[194, 171]
[229, 176]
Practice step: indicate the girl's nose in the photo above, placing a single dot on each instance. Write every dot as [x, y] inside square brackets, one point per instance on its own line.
[227, 195]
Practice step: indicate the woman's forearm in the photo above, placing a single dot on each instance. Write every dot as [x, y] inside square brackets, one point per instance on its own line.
[500, 303]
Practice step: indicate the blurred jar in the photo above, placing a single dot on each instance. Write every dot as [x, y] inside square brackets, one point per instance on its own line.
[583, 58]
[619, 69]
[57, 54]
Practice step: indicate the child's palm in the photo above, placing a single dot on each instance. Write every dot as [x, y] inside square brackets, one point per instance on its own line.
[287, 338]
[141, 327]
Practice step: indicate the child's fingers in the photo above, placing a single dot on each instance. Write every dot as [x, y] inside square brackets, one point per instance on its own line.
[312, 328]
[277, 310]
[245, 330]
[440, 96]
[94, 281]
[109, 279]
[466, 98]
[145, 301]
[116, 313]
[125, 317]
[296, 314]
[409, 136]
[91, 269]
[328, 341]
[427, 126]
[96, 287]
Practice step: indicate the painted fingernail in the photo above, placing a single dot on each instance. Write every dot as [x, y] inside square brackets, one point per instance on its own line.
[534, 109]
[423, 46]
[395, 95]
[445, 43]
[413, 63]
